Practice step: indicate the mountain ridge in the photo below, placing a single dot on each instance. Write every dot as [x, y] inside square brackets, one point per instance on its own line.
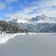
[37, 24]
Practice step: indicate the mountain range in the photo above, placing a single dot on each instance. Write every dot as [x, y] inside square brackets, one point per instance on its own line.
[36, 24]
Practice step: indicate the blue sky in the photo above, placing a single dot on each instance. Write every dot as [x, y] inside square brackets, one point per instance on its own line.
[26, 8]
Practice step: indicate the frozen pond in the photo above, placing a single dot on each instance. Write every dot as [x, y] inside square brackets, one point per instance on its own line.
[41, 44]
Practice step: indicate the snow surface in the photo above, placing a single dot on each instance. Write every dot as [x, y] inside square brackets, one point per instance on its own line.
[5, 37]
[40, 44]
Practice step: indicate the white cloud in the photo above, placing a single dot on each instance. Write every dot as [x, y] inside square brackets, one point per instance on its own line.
[51, 13]
[40, 8]
[45, 7]
[9, 1]
[2, 6]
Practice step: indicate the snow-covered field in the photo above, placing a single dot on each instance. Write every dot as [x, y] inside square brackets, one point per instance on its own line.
[30, 44]
[5, 37]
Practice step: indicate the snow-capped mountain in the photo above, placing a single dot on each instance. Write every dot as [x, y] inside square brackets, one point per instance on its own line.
[35, 20]
[40, 23]
[43, 19]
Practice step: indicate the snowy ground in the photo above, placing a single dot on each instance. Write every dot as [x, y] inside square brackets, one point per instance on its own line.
[5, 37]
[30, 44]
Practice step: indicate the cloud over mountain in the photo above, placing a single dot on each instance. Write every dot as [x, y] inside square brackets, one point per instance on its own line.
[27, 8]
